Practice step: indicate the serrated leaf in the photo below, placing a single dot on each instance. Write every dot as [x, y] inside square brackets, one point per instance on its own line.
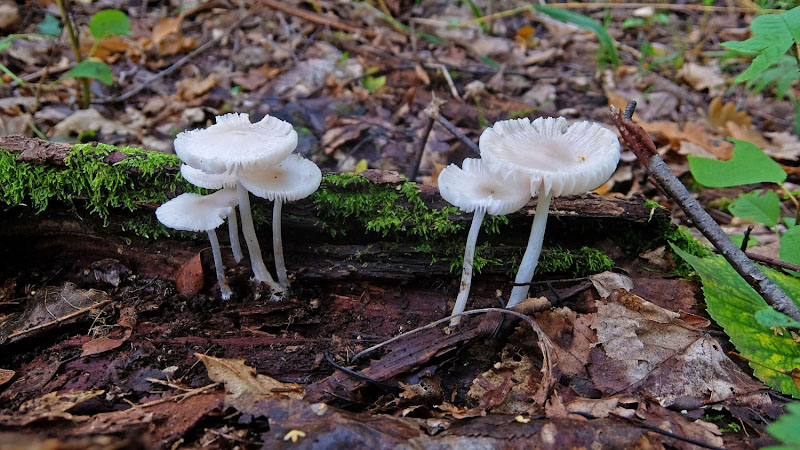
[92, 69]
[759, 208]
[771, 318]
[790, 246]
[732, 303]
[748, 165]
[109, 22]
[765, 59]
[50, 26]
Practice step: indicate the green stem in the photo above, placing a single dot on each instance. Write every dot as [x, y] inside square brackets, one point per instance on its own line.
[794, 200]
[76, 49]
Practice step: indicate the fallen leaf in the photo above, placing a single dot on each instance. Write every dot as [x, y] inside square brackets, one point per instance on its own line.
[784, 145]
[702, 77]
[189, 277]
[6, 375]
[165, 27]
[243, 385]
[719, 114]
[88, 119]
[191, 88]
[607, 282]
[746, 133]
[53, 405]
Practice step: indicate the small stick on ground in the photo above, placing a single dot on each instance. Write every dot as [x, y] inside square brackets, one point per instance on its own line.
[457, 133]
[412, 174]
[642, 145]
[773, 262]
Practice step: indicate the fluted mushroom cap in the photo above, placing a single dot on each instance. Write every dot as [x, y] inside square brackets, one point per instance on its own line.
[559, 159]
[195, 212]
[294, 178]
[475, 186]
[233, 144]
[207, 180]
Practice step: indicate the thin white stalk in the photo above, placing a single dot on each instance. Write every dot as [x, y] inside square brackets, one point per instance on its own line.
[249, 230]
[277, 244]
[466, 272]
[233, 231]
[224, 289]
[531, 258]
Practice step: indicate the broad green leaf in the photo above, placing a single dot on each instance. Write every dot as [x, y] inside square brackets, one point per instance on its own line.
[765, 59]
[753, 45]
[771, 318]
[785, 24]
[109, 22]
[732, 303]
[748, 165]
[92, 69]
[790, 246]
[49, 26]
[787, 428]
[608, 47]
[759, 208]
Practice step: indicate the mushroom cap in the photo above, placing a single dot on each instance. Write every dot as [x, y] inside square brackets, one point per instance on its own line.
[207, 180]
[559, 159]
[475, 186]
[294, 178]
[195, 212]
[233, 144]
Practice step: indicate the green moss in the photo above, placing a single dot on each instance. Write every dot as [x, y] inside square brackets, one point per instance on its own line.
[146, 227]
[87, 178]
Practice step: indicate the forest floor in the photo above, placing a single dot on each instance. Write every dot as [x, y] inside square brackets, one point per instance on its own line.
[107, 346]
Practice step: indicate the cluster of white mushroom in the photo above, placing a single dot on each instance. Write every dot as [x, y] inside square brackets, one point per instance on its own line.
[238, 157]
[521, 159]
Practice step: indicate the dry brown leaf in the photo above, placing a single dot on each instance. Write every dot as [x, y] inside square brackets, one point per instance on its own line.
[702, 77]
[243, 385]
[335, 137]
[191, 88]
[189, 277]
[607, 282]
[603, 407]
[692, 132]
[88, 119]
[6, 375]
[166, 27]
[720, 114]
[256, 77]
[53, 405]
[746, 133]
[784, 145]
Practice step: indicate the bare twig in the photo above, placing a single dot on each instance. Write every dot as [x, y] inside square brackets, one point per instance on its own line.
[76, 50]
[457, 133]
[642, 145]
[175, 66]
[773, 262]
[58, 320]
[412, 173]
[314, 17]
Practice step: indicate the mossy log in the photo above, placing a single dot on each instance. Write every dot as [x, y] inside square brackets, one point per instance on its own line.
[77, 204]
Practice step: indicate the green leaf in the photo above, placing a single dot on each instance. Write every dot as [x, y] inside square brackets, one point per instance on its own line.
[759, 208]
[790, 246]
[109, 22]
[732, 303]
[372, 84]
[771, 318]
[631, 22]
[92, 69]
[50, 26]
[787, 428]
[608, 48]
[748, 165]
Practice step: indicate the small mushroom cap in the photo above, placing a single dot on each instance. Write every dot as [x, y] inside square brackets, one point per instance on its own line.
[195, 212]
[559, 159]
[233, 144]
[207, 180]
[475, 186]
[294, 178]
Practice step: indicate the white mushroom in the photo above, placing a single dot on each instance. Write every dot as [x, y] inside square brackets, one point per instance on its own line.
[195, 212]
[476, 188]
[217, 181]
[234, 144]
[558, 160]
[294, 178]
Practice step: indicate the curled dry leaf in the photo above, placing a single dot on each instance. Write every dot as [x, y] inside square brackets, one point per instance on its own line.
[719, 114]
[189, 278]
[6, 375]
[191, 88]
[702, 77]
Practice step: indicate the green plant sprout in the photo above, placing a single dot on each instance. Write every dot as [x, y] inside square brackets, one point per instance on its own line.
[773, 36]
[105, 23]
[633, 22]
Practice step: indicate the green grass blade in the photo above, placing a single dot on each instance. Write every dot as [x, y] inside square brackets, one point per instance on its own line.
[608, 47]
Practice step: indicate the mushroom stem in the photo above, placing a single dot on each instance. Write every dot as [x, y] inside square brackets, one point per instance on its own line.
[466, 273]
[224, 289]
[277, 244]
[248, 229]
[531, 257]
[233, 231]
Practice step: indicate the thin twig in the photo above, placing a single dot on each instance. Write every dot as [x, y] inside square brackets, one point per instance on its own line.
[314, 17]
[746, 238]
[175, 66]
[58, 320]
[76, 50]
[412, 174]
[457, 133]
[642, 145]
[773, 262]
